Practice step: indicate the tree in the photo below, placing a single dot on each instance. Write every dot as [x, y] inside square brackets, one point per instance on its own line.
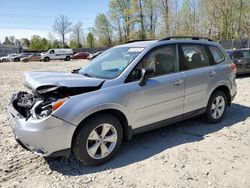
[38, 43]
[77, 35]
[151, 17]
[25, 42]
[62, 27]
[7, 41]
[123, 11]
[165, 15]
[103, 30]
[138, 12]
[90, 40]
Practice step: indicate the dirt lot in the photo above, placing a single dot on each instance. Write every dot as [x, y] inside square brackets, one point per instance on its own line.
[187, 154]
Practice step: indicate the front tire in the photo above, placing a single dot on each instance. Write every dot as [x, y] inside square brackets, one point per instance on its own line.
[97, 140]
[46, 59]
[216, 107]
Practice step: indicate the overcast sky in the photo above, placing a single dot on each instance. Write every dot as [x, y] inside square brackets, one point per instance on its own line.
[24, 18]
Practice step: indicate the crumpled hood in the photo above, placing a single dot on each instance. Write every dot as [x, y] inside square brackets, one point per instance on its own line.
[35, 80]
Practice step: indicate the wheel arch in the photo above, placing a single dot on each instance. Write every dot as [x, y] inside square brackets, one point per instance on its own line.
[127, 130]
[224, 89]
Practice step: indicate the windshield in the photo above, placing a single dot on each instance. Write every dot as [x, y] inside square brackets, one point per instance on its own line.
[111, 63]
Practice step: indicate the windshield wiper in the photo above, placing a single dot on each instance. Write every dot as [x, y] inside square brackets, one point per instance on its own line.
[75, 71]
[86, 74]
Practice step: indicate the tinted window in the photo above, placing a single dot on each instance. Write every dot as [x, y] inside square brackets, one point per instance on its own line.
[164, 60]
[237, 55]
[195, 56]
[217, 54]
[246, 54]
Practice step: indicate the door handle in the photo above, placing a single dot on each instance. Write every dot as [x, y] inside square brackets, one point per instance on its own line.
[178, 82]
[212, 73]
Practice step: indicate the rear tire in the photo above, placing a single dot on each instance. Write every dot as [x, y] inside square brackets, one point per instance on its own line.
[216, 108]
[97, 140]
[67, 58]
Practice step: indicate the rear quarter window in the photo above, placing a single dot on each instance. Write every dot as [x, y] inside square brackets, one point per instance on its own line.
[246, 54]
[218, 56]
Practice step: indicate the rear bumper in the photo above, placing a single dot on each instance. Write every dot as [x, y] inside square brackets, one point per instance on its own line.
[44, 137]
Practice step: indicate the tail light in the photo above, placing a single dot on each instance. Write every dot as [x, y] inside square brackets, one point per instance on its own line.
[233, 67]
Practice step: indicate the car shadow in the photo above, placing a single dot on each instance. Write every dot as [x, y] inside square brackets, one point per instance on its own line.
[146, 145]
[241, 76]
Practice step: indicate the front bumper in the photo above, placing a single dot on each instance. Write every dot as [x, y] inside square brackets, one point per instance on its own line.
[45, 137]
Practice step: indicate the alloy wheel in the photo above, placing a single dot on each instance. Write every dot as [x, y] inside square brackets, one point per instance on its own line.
[101, 141]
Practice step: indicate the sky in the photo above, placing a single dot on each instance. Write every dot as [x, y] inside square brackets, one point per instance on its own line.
[24, 18]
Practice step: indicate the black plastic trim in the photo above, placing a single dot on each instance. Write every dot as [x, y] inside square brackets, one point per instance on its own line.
[65, 153]
[169, 121]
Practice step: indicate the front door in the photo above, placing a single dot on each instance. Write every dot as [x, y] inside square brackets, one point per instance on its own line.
[163, 95]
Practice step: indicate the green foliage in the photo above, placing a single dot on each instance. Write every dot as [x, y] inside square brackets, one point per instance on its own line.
[38, 43]
[90, 40]
[103, 30]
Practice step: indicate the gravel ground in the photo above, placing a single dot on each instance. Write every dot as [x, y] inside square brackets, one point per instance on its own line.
[187, 154]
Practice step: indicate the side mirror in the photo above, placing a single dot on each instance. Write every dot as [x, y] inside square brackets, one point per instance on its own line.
[145, 74]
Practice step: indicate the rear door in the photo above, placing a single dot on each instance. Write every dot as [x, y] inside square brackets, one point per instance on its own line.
[199, 75]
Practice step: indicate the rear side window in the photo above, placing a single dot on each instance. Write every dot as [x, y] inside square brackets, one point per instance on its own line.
[246, 54]
[195, 56]
[217, 54]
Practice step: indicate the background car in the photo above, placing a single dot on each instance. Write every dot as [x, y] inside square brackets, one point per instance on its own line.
[57, 54]
[81, 55]
[241, 58]
[18, 57]
[93, 56]
[7, 58]
[32, 57]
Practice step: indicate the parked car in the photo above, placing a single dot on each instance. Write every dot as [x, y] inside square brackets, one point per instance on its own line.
[241, 58]
[127, 90]
[81, 55]
[57, 54]
[32, 57]
[7, 58]
[93, 56]
[18, 57]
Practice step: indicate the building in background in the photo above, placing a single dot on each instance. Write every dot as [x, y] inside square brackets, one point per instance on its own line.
[10, 49]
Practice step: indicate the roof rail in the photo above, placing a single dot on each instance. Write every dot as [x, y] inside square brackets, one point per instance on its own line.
[131, 41]
[186, 37]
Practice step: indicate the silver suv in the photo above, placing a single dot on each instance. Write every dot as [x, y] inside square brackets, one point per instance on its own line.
[127, 90]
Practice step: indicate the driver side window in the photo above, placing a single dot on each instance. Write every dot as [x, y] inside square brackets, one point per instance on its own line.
[164, 60]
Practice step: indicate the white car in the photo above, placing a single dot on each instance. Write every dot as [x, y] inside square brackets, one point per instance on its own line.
[57, 54]
[7, 58]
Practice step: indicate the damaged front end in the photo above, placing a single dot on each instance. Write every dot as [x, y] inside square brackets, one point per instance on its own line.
[45, 100]
[33, 105]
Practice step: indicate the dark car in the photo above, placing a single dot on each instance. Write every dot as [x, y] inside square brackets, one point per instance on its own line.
[81, 55]
[241, 58]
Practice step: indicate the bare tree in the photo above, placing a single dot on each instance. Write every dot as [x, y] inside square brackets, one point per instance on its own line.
[62, 26]
[78, 34]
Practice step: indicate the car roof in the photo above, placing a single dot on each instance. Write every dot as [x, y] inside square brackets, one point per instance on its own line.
[144, 44]
[238, 50]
